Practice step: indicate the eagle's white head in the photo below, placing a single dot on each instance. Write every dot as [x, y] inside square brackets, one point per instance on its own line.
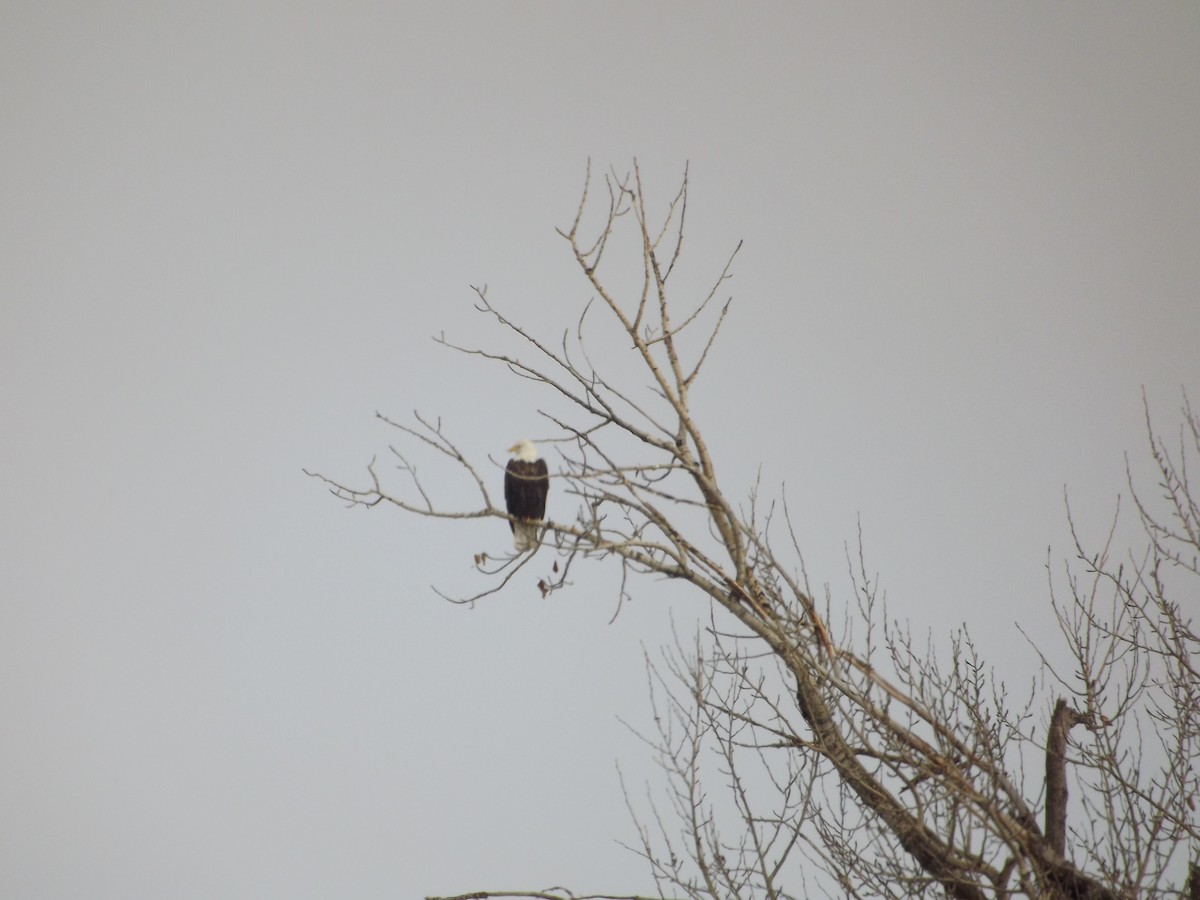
[525, 450]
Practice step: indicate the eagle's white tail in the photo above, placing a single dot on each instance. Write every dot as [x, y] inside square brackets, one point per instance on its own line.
[525, 535]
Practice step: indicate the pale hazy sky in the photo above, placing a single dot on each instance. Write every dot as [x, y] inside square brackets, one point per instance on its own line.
[229, 230]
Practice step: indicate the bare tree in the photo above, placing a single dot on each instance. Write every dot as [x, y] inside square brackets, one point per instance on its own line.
[891, 768]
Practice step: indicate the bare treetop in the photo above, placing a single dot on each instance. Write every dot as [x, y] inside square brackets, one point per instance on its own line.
[894, 770]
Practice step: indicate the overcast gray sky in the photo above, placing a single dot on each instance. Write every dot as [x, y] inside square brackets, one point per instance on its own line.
[230, 230]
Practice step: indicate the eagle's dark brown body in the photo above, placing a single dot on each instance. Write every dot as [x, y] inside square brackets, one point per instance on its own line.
[526, 484]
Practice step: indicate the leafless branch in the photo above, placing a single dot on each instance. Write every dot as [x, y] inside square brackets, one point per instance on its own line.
[895, 767]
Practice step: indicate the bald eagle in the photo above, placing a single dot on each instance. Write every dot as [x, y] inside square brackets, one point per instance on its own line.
[526, 483]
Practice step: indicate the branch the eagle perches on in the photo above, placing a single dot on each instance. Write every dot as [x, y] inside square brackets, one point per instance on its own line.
[926, 753]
